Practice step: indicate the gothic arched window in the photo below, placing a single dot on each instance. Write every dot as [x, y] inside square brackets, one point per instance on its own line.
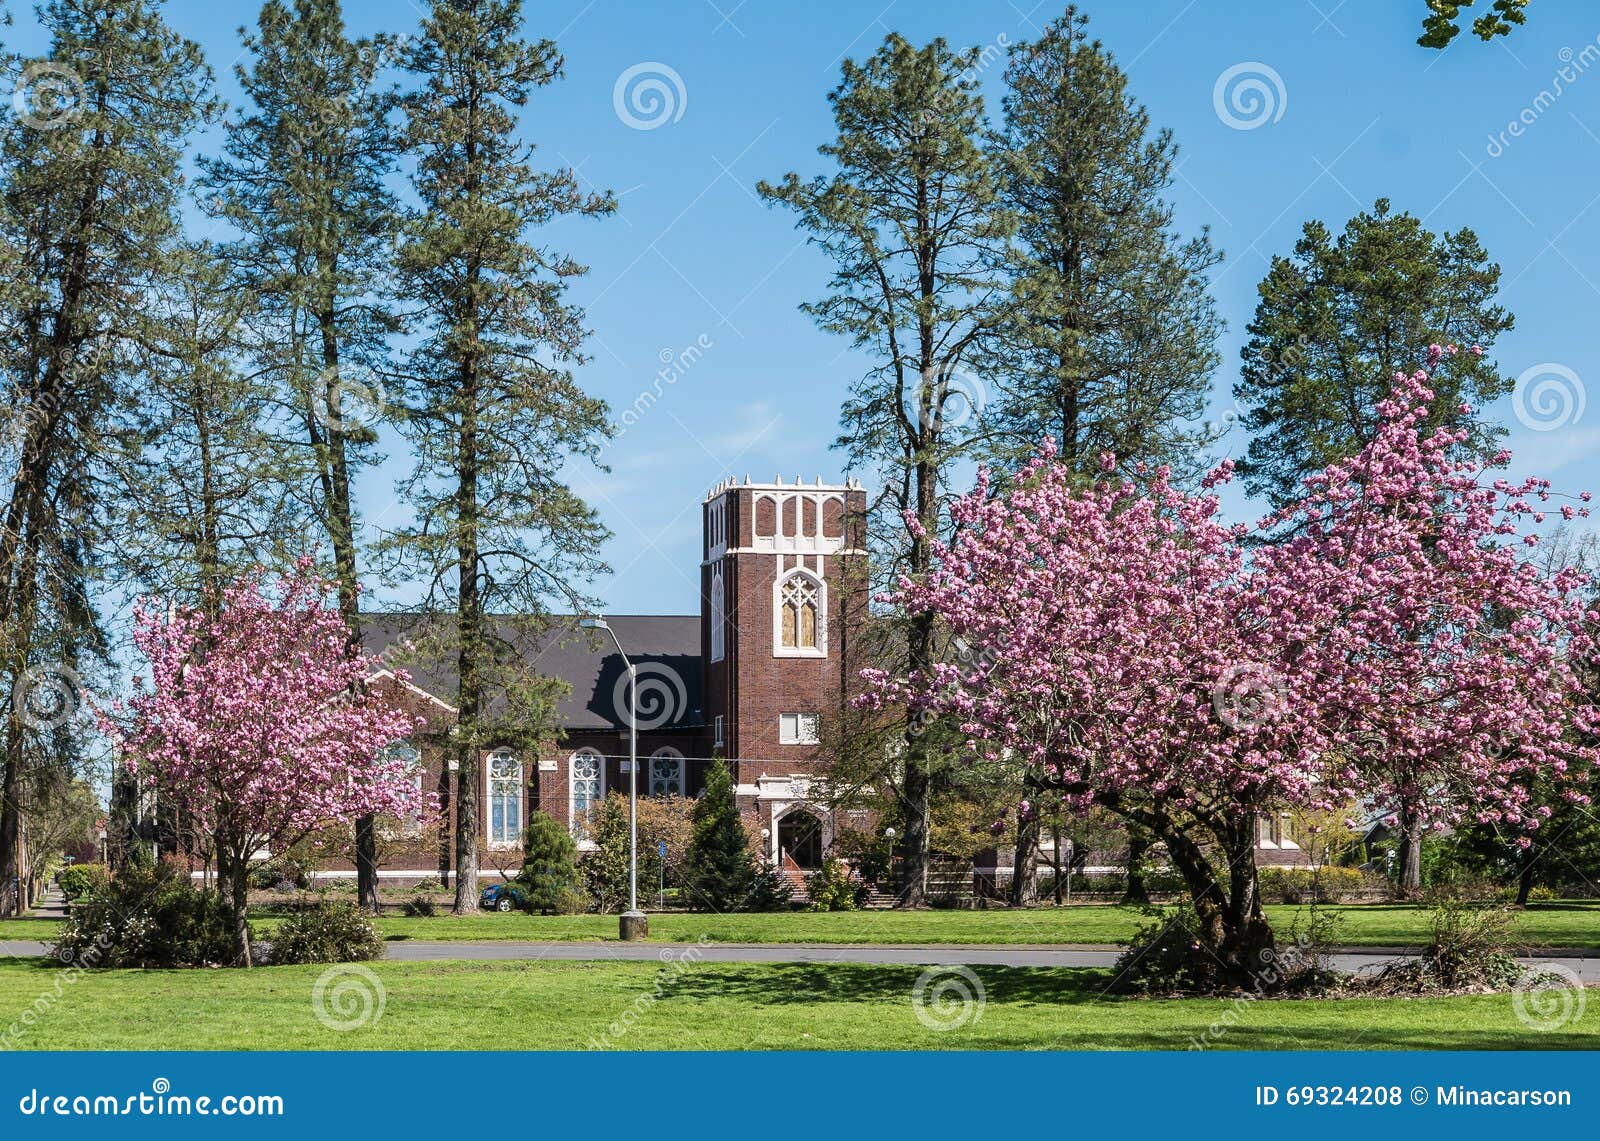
[410, 757]
[587, 777]
[666, 773]
[505, 798]
[718, 616]
[801, 616]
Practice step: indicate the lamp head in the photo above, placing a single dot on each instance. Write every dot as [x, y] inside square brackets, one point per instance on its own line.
[594, 623]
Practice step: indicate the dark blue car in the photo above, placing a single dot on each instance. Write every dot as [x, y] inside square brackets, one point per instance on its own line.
[501, 897]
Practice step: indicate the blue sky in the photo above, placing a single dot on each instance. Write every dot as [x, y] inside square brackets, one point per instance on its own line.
[1355, 111]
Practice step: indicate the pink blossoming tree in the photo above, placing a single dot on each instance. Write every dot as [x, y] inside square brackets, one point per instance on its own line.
[1379, 640]
[258, 726]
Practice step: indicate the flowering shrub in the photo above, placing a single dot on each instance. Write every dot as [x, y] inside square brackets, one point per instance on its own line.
[326, 933]
[148, 917]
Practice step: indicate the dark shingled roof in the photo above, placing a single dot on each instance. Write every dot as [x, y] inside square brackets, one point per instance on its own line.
[665, 648]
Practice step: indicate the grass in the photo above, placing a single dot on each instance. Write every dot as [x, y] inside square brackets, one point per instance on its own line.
[28, 928]
[548, 1005]
[1554, 925]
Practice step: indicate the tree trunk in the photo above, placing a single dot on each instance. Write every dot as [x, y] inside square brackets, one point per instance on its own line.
[367, 864]
[1025, 865]
[1235, 935]
[1055, 859]
[914, 852]
[917, 785]
[340, 523]
[1409, 884]
[1134, 892]
[444, 828]
[11, 822]
[1524, 883]
[233, 877]
[14, 889]
[471, 648]
[122, 821]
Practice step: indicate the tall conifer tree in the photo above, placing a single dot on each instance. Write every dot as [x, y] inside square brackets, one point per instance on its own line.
[302, 175]
[90, 183]
[492, 408]
[1339, 317]
[911, 221]
[1111, 338]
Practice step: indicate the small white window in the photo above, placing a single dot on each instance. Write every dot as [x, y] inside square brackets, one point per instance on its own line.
[717, 723]
[505, 799]
[1267, 831]
[666, 773]
[1285, 836]
[797, 729]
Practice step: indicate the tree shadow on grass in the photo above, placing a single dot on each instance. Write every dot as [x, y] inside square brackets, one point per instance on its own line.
[1334, 1037]
[1091, 1020]
[1590, 906]
[781, 984]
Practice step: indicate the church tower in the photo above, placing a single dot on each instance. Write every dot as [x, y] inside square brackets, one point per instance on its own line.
[783, 594]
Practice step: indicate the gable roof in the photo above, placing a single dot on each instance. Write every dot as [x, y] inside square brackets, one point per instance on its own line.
[664, 648]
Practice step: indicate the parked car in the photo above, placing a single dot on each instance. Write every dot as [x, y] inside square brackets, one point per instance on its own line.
[501, 897]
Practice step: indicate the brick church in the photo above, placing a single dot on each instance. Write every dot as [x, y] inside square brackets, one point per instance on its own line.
[754, 677]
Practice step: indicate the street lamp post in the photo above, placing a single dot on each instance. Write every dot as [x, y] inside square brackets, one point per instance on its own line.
[633, 924]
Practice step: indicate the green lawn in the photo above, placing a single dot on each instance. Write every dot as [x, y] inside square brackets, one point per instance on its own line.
[476, 1006]
[1569, 925]
[28, 928]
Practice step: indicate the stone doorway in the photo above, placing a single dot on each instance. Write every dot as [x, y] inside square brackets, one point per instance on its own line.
[800, 839]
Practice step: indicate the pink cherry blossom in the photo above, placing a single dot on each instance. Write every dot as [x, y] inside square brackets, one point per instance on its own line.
[257, 725]
[1378, 641]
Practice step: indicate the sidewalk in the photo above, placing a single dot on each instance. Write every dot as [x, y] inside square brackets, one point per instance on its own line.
[1584, 965]
[52, 905]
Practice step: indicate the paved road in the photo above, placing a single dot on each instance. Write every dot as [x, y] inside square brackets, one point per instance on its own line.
[410, 950]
